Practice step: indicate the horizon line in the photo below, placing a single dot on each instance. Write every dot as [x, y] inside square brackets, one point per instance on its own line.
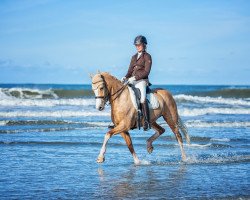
[177, 84]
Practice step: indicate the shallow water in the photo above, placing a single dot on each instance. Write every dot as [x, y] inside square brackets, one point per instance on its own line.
[48, 148]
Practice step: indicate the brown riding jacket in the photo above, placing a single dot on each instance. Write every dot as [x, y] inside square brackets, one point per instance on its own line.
[140, 68]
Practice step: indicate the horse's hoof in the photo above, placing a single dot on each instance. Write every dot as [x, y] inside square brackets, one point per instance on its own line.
[100, 159]
[137, 162]
[150, 149]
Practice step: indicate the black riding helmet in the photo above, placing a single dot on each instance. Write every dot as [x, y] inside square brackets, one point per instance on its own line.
[140, 39]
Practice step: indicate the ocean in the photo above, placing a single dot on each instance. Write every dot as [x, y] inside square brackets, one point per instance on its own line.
[51, 135]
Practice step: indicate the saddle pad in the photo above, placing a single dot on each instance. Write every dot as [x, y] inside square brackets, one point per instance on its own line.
[152, 99]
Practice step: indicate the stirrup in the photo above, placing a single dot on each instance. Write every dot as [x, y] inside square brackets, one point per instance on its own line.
[111, 125]
[147, 127]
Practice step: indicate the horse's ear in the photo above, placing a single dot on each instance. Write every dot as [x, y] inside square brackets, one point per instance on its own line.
[91, 75]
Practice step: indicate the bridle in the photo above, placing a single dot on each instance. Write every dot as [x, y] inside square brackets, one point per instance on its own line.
[107, 96]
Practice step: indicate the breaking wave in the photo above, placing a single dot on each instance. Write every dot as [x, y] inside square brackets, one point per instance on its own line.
[203, 124]
[57, 114]
[46, 102]
[26, 102]
[71, 113]
[34, 93]
[219, 100]
[29, 93]
[211, 110]
[25, 93]
[189, 123]
[220, 139]
[52, 122]
[232, 92]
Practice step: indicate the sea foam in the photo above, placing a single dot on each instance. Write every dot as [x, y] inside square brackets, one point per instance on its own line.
[79, 113]
[204, 124]
[211, 110]
[46, 102]
[61, 113]
[217, 100]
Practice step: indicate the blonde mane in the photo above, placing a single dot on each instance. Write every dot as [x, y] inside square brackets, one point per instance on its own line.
[110, 80]
[106, 74]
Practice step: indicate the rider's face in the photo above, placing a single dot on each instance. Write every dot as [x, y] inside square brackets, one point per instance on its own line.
[139, 47]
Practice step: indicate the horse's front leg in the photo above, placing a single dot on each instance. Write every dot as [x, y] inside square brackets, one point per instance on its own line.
[101, 157]
[128, 141]
[108, 135]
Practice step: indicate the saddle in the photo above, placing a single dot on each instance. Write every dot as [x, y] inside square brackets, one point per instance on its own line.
[136, 96]
[137, 93]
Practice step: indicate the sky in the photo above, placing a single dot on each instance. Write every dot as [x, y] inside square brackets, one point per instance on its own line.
[191, 42]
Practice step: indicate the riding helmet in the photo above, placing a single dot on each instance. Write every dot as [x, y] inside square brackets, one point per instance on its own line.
[140, 39]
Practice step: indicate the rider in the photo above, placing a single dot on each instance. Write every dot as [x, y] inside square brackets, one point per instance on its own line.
[138, 73]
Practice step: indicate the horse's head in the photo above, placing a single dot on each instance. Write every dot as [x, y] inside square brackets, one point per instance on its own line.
[100, 89]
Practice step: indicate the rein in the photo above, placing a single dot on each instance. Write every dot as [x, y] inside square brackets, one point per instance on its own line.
[110, 95]
[120, 90]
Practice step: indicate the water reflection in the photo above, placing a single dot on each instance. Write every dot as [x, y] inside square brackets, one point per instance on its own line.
[142, 181]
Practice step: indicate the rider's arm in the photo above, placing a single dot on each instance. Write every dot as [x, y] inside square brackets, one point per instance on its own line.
[130, 69]
[144, 73]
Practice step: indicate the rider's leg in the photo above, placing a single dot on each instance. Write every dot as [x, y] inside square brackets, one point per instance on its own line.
[146, 114]
[142, 87]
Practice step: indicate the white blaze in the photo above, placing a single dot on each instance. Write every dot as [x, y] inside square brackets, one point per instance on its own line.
[98, 101]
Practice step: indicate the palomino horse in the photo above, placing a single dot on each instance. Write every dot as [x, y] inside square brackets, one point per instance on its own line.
[124, 116]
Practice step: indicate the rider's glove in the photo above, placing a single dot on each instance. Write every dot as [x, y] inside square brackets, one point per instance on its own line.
[131, 80]
[123, 79]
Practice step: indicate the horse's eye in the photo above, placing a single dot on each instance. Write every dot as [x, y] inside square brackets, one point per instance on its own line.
[101, 88]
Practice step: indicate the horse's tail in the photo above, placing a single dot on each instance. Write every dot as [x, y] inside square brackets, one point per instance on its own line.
[183, 129]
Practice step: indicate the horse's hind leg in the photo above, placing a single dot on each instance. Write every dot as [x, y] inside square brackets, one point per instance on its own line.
[158, 131]
[173, 125]
[128, 141]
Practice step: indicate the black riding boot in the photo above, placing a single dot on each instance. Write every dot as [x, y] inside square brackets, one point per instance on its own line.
[145, 110]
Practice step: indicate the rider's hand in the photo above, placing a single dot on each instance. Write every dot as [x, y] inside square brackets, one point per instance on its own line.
[123, 79]
[131, 80]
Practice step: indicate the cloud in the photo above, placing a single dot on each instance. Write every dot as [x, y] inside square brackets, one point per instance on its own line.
[44, 72]
[5, 62]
